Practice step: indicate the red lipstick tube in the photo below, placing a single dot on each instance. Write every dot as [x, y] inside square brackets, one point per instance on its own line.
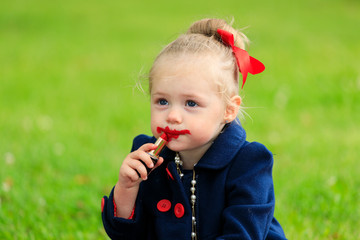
[154, 154]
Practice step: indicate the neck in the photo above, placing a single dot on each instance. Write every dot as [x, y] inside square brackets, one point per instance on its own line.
[191, 157]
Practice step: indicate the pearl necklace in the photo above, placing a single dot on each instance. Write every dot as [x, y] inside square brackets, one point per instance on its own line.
[179, 164]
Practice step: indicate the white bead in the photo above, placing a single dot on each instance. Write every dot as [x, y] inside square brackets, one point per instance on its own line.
[192, 189]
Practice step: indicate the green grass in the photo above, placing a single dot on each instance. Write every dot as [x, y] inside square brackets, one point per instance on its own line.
[69, 110]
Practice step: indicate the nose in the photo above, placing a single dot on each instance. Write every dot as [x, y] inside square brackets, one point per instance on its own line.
[174, 116]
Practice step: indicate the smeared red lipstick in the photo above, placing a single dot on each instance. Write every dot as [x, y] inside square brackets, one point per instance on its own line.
[172, 134]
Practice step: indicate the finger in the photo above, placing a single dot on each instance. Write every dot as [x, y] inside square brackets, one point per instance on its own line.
[159, 162]
[143, 157]
[138, 173]
[148, 147]
[139, 168]
[133, 175]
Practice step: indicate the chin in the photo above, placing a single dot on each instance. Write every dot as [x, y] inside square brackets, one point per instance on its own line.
[173, 146]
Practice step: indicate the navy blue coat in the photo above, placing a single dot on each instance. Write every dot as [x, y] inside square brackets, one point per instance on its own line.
[234, 190]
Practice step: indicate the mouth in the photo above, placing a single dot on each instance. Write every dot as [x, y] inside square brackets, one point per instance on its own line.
[172, 133]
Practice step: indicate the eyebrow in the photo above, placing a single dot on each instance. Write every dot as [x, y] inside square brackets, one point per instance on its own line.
[190, 96]
[196, 96]
[159, 93]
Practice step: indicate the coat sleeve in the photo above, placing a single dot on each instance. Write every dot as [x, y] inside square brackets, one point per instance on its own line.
[250, 195]
[121, 228]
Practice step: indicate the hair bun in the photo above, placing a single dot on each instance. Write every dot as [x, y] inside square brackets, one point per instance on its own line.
[209, 27]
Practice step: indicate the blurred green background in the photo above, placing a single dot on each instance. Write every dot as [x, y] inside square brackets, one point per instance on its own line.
[69, 108]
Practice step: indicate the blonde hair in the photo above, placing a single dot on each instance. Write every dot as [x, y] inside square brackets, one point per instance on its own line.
[202, 40]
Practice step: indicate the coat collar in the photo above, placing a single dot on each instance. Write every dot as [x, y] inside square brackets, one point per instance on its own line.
[224, 148]
[222, 151]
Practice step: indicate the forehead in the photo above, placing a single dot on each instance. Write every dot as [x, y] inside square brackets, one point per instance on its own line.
[186, 66]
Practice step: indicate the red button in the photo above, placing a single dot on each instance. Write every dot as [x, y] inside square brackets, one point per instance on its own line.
[179, 210]
[164, 205]
[102, 204]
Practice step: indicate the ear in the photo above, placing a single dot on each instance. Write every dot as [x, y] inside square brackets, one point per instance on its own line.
[232, 109]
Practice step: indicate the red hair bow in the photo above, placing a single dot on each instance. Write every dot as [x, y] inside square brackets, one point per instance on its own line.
[246, 63]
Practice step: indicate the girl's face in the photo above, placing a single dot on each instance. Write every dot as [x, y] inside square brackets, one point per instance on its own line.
[186, 105]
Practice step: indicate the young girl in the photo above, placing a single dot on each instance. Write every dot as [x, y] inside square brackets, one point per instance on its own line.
[209, 183]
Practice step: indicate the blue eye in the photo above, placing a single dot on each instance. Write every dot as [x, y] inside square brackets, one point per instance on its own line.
[191, 103]
[163, 102]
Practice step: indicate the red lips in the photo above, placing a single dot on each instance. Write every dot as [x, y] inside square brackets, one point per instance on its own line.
[172, 133]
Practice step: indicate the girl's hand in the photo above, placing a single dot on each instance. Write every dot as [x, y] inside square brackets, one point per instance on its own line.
[127, 187]
[132, 170]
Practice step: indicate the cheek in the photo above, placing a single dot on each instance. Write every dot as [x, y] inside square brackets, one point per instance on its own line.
[209, 121]
[207, 126]
[154, 124]
[153, 129]
[157, 120]
[199, 128]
